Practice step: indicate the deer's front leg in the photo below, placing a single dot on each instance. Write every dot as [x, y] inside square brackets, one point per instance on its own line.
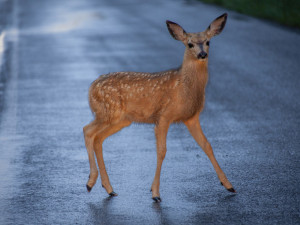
[161, 131]
[194, 127]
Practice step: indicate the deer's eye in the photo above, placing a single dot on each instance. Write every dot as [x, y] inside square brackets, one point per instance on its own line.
[190, 45]
[207, 43]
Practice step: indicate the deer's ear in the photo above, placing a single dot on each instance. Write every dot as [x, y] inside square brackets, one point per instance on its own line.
[176, 31]
[217, 25]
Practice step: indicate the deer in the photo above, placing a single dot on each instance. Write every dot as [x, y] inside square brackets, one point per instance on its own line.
[174, 96]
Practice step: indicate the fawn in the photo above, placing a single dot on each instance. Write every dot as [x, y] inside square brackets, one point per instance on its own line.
[177, 95]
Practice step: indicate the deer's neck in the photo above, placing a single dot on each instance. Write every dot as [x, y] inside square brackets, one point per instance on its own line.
[194, 72]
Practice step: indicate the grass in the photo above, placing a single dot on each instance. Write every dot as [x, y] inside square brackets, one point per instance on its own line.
[286, 12]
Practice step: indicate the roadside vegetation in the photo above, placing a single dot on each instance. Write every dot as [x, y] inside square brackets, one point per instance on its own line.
[285, 12]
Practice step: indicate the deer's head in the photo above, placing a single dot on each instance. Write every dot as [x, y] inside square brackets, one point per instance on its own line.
[197, 44]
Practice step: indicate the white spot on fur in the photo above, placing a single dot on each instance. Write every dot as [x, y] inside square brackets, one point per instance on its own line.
[176, 84]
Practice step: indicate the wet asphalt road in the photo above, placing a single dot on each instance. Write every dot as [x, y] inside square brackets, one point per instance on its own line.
[57, 48]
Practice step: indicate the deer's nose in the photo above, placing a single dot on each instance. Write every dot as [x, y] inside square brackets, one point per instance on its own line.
[202, 55]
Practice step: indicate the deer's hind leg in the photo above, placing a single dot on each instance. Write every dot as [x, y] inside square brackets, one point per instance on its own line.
[90, 131]
[98, 140]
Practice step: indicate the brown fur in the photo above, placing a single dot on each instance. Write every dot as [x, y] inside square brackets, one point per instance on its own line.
[177, 95]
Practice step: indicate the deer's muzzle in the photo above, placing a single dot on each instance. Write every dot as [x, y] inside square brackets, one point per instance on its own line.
[202, 55]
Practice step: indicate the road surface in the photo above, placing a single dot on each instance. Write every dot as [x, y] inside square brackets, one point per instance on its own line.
[251, 117]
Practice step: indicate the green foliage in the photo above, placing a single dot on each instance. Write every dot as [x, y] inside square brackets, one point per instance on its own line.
[286, 12]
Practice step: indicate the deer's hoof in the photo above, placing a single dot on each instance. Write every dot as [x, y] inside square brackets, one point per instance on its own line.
[112, 194]
[157, 199]
[88, 188]
[231, 190]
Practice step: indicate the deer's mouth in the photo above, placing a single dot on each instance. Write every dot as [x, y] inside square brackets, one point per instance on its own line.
[202, 55]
